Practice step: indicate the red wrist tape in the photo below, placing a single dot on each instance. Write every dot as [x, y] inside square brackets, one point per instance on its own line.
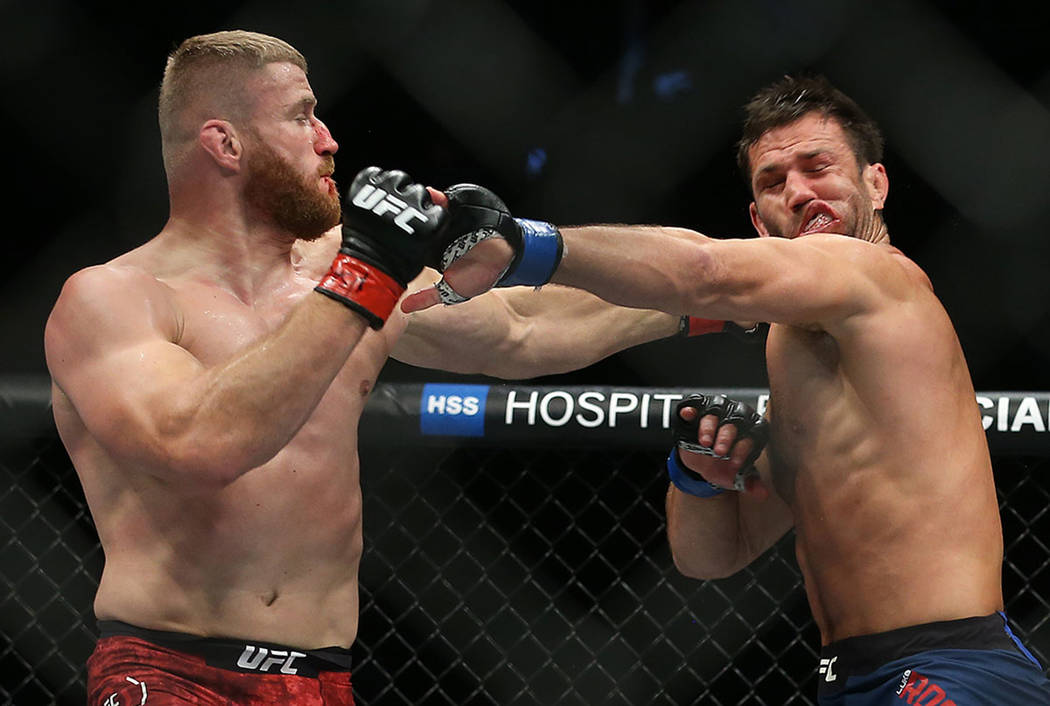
[695, 326]
[366, 289]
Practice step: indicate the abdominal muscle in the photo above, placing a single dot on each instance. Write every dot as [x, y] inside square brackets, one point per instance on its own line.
[876, 558]
[273, 556]
[892, 492]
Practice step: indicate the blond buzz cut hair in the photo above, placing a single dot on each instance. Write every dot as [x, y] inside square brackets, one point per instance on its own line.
[204, 79]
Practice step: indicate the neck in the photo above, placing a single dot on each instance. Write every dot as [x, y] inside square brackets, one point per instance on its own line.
[247, 261]
[880, 233]
[222, 239]
[873, 229]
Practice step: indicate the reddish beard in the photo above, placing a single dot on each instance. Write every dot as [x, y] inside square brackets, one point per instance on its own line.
[293, 202]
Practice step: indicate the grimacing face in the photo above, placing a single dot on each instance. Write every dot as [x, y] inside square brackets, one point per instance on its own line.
[805, 179]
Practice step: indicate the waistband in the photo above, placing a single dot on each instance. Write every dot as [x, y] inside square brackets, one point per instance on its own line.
[866, 653]
[246, 656]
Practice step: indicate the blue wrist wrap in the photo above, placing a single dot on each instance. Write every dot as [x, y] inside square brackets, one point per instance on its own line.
[541, 251]
[689, 482]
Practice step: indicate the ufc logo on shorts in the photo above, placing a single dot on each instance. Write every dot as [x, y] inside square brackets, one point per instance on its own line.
[261, 659]
[114, 701]
[826, 669]
[380, 202]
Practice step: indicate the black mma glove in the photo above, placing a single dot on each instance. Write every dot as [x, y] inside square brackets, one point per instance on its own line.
[475, 214]
[749, 425]
[391, 228]
[689, 326]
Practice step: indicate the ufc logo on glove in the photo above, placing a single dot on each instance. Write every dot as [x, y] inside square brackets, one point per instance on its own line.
[379, 202]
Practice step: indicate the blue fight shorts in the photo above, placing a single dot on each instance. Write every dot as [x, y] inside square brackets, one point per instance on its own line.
[968, 662]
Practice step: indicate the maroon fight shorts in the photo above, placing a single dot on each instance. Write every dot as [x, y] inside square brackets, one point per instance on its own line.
[135, 667]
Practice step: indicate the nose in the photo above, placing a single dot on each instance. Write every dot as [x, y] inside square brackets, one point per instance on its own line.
[797, 190]
[324, 143]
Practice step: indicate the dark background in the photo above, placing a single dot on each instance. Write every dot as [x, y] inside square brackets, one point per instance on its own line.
[573, 115]
[634, 107]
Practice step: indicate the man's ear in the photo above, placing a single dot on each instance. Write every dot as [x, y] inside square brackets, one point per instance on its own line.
[878, 184]
[219, 139]
[756, 221]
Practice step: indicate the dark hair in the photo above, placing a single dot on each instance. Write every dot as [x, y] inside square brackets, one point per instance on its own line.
[788, 99]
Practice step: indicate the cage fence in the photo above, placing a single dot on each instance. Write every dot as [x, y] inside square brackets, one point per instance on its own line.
[508, 568]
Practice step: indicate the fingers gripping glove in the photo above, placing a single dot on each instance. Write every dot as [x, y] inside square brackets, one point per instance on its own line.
[695, 326]
[390, 229]
[476, 214]
[749, 425]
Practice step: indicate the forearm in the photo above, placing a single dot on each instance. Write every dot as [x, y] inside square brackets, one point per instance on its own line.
[236, 416]
[562, 336]
[818, 281]
[520, 332]
[715, 537]
[641, 266]
[271, 390]
[704, 534]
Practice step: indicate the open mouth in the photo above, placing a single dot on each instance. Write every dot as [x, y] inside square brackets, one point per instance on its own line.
[818, 220]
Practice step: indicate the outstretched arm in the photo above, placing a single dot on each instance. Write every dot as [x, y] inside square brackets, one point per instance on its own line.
[819, 281]
[521, 332]
[518, 331]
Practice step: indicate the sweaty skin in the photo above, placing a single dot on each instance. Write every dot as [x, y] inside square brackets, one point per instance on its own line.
[209, 398]
[269, 552]
[273, 553]
[877, 455]
[881, 456]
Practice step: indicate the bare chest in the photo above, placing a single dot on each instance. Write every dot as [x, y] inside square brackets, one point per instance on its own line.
[218, 328]
[806, 397]
[215, 326]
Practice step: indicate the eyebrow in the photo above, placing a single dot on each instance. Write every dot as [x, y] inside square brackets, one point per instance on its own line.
[815, 153]
[804, 156]
[303, 103]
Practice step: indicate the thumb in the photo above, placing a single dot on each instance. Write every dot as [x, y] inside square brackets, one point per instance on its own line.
[754, 487]
[422, 299]
[438, 197]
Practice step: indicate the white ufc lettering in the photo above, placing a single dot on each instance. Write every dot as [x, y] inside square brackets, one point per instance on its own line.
[114, 701]
[826, 666]
[261, 659]
[379, 202]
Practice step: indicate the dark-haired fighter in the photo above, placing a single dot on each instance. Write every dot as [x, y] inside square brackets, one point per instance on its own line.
[877, 456]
